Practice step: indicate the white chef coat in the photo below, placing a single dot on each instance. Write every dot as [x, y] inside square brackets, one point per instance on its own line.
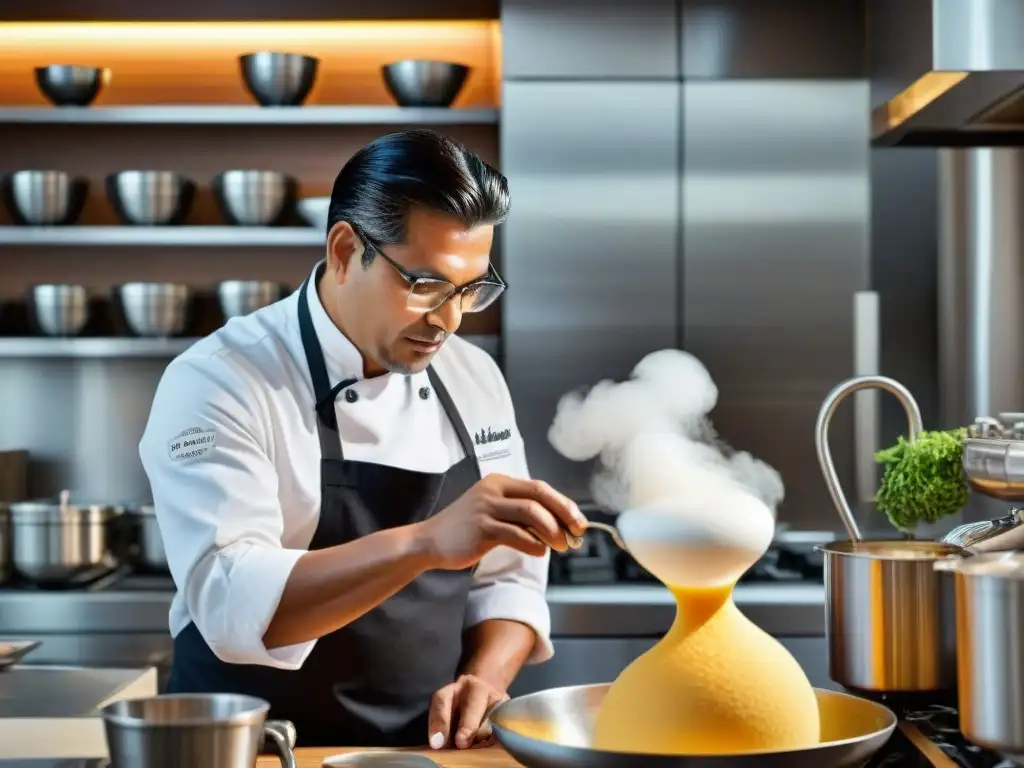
[233, 458]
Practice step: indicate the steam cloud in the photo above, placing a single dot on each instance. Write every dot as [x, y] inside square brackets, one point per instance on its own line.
[654, 441]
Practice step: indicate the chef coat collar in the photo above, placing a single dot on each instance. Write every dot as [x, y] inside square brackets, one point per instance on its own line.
[342, 357]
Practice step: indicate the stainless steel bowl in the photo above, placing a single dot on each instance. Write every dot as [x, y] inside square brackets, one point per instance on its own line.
[240, 297]
[218, 730]
[279, 79]
[68, 85]
[56, 541]
[554, 729]
[44, 198]
[59, 309]
[315, 211]
[254, 198]
[150, 198]
[423, 83]
[154, 309]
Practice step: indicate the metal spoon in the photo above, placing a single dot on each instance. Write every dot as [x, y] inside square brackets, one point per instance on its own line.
[575, 542]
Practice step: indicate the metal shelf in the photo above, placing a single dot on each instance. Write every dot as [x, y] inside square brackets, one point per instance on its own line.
[248, 115]
[123, 347]
[181, 235]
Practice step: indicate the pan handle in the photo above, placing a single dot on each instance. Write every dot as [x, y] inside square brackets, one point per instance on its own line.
[828, 409]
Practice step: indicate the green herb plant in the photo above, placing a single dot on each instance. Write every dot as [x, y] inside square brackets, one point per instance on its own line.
[922, 480]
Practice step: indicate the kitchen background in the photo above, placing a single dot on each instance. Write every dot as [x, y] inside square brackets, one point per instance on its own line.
[701, 174]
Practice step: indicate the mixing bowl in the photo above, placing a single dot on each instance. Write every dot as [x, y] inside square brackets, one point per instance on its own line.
[254, 198]
[154, 309]
[423, 83]
[59, 310]
[44, 198]
[553, 729]
[279, 79]
[314, 210]
[150, 198]
[240, 297]
[67, 85]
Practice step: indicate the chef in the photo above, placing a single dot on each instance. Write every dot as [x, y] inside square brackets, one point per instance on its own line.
[340, 482]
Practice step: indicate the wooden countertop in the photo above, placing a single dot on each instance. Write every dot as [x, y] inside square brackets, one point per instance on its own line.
[485, 757]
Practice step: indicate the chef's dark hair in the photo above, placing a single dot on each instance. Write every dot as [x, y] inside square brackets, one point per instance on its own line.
[420, 167]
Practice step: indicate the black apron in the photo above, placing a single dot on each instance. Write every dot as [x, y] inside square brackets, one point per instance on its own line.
[370, 682]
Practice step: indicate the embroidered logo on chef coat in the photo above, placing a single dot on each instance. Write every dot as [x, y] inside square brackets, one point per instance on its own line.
[191, 444]
[495, 442]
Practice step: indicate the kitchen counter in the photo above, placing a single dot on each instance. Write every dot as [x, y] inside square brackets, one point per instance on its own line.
[51, 711]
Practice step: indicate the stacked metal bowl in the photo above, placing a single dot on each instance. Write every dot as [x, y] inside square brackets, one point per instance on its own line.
[254, 198]
[424, 83]
[44, 198]
[59, 309]
[240, 297]
[278, 79]
[68, 85]
[150, 198]
[158, 310]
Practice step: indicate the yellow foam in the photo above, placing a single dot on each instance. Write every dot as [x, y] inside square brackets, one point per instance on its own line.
[715, 684]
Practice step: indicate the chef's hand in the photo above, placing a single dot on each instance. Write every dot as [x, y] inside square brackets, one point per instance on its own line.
[460, 708]
[527, 515]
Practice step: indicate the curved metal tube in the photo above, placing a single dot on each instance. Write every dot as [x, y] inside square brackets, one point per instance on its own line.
[828, 409]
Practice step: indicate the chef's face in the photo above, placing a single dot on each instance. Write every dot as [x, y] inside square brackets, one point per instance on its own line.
[391, 331]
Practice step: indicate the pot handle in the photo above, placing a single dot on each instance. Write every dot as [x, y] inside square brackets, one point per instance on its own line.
[828, 409]
[281, 735]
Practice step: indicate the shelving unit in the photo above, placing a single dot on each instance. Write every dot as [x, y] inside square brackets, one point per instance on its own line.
[177, 236]
[247, 115]
[129, 347]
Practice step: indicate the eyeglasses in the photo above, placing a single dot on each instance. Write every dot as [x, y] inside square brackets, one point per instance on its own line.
[427, 294]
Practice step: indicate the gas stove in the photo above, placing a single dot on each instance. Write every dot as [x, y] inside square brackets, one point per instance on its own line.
[790, 559]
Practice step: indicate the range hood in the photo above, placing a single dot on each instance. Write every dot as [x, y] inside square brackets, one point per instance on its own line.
[948, 73]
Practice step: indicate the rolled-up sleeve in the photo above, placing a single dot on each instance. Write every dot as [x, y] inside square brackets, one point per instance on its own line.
[215, 492]
[508, 584]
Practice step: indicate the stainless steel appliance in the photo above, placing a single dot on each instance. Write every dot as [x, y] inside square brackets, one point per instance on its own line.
[154, 309]
[278, 79]
[44, 198]
[254, 198]
[150, 198]
[151, 552]
[59, 310]
[68, 85]
[422, 83]
[990, 647]
[217, 730]
[57, 541]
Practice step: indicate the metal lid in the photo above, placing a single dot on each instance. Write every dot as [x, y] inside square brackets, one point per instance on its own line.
[897, 549]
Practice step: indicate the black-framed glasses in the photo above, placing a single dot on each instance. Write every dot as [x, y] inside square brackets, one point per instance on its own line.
[427, 294]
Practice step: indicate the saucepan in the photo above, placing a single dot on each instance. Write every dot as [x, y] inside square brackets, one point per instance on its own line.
[889, 614]
[553, 729]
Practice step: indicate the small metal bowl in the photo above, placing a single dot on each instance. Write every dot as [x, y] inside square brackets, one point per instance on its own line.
[254, 198]
[240, 297]
[44, 198]
[154, 309]
[150, 198]
[278, 79]
[315, 211]
[423, 83]
[68, 85]
[59, 309]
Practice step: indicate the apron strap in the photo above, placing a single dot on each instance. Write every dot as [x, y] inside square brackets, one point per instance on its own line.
[453, 413]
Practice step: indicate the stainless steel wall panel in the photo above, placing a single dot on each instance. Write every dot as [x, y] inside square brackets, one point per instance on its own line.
[591, 248]
[740, 39]
[581, 39]
[775, 240]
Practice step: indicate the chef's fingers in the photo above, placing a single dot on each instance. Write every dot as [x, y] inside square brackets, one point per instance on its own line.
[474, 701]
[517, 537]
[440, 718]
[484, 734]
[559, 505]
[533, 517]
